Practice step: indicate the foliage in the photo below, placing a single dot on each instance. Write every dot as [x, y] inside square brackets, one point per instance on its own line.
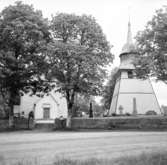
[81, 104]
[98, 110]
[24, 34]
[151, 112]
[78, 55]
[109, 89]
[152, 44]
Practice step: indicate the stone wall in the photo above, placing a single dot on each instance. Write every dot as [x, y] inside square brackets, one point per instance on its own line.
[119, 123]
[19, 124]
[4, 124]
[107, 123]
[23, 123]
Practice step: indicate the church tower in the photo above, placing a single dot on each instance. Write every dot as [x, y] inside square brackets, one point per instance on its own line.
[132, 95]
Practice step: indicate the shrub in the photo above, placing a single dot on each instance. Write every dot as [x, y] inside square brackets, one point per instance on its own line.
[114, 114]
[151, 112]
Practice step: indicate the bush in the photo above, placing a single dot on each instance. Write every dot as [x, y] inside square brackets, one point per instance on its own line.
[114, 114]
[127, 114]
[60, 123]
[151, 112]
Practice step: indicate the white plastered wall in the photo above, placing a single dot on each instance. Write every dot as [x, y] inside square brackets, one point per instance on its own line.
[57, 104]
[144, 103]
[47, 100]
[27, 103]
[135, 86]
[128, 89]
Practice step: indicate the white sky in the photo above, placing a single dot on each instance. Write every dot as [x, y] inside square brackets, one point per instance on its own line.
[112, 15]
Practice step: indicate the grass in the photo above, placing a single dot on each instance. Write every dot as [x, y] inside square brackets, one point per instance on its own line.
[143, 159]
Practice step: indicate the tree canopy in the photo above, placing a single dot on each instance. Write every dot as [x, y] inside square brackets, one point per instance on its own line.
[24, 35]
[77, 55]
[152, 45]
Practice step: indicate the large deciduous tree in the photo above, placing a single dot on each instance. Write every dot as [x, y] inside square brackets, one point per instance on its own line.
[152, 45]
[24, 34]
[78, 55]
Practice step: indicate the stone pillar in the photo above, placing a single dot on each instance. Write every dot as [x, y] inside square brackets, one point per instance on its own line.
[134, 106]
[121, 110]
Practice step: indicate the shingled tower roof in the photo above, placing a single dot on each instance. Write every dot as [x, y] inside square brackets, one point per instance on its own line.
[129, 46]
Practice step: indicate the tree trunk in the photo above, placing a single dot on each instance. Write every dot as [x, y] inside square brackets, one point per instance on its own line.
[70, 102]
[69, 116]
[11, 117]
[68, 122]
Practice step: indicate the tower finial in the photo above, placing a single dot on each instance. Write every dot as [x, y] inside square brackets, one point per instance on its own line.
[129, 35]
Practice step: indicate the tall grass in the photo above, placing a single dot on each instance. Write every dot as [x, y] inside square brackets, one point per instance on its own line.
[143, 159]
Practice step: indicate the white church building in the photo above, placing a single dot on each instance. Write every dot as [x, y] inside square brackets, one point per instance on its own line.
[132, 95]
[46, 109]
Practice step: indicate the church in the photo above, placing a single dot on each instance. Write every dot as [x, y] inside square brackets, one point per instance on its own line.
[132, 95]
[45, 109]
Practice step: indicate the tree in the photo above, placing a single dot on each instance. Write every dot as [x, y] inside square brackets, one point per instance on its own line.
[109, 89]
[78, 55]
[152, 45]
[81, 105]
[24, 34]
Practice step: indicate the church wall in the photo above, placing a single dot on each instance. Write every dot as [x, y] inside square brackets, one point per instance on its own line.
[116, 89]
[114, 98]
[124, 74]
[144, 103]
[113, 105]
[27, 103]
[135, 85]
[47, 101]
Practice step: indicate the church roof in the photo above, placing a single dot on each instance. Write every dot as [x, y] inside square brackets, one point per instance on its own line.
[129, 46]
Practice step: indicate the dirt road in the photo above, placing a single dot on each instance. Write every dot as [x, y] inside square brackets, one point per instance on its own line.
[45, 147]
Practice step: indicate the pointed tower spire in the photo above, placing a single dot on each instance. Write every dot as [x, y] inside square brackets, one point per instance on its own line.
[129, 47]
[129, 36]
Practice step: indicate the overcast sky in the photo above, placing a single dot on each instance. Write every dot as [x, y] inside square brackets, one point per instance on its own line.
[112, 15]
